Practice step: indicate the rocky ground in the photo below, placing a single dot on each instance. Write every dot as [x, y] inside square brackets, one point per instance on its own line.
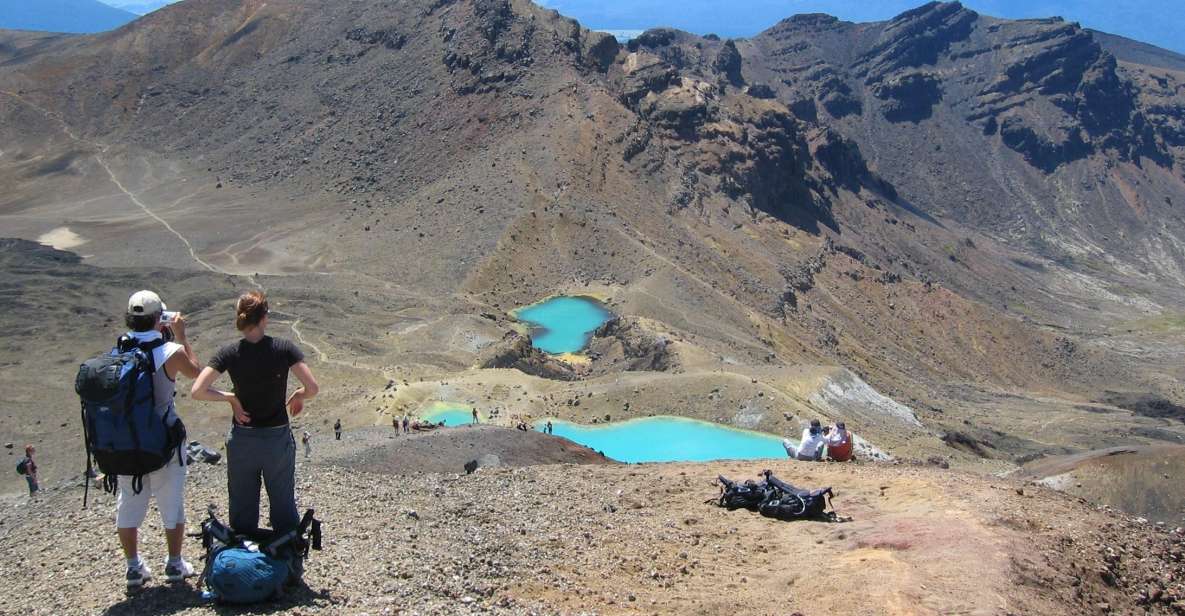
[635, 539]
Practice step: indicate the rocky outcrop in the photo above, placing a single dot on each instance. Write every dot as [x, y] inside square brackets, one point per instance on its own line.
[910, 97]
[1040, 150]
[623, 344]
[916, 38]
[841, 158]
[599, 49]
[750, 153]
[644, 73]
[728, 63]
[760, 90]
[1064, 65]
[619, 345]
[516, 352]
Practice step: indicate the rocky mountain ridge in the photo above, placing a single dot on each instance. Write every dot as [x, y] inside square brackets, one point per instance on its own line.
[824, 194]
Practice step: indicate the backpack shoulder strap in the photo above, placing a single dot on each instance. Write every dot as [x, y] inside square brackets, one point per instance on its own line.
[151, 345]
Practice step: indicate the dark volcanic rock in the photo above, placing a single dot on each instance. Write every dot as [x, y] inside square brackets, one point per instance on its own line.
[515, 351]
[916, 38]
[728, 62]
[600, 49]
[1145, 404]
[760, 90]
[1038, 149]
[653, 38]
[910, 97]
[624, 343]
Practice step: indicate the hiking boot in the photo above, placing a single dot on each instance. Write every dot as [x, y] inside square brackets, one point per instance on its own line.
[137, 576]
[179, 571]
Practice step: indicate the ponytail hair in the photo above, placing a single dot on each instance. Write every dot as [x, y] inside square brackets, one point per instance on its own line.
[250, 309]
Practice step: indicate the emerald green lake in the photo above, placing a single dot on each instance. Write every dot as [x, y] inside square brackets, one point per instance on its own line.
[451, 414]
[670, 439]
[563, 324]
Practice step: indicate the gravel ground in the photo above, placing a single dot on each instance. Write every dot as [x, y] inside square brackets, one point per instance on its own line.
[632, 539]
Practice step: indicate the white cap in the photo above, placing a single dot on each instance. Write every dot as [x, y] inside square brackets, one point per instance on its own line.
[145, 303]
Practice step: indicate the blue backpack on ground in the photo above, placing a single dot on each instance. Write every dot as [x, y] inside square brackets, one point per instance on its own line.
[124, 432]
[255, 566]
[239, 575]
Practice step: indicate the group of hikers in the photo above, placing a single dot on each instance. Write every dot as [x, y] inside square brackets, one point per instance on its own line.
[821, 442]
[260, 448]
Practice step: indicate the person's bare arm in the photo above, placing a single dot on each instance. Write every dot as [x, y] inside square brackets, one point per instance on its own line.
[185, 362]
[203, 389]
[307, 391]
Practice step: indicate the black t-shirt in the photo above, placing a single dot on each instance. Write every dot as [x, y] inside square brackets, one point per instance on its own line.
[259, 372]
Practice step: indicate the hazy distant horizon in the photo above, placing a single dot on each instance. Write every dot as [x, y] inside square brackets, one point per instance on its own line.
[1156, 22]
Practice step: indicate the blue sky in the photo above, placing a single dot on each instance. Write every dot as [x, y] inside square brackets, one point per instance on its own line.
[1160, 22]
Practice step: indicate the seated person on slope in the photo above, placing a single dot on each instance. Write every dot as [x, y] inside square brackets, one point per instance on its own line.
[839, 443]
[811, 448]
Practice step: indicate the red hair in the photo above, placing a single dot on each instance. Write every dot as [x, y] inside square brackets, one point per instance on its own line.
[250, 309]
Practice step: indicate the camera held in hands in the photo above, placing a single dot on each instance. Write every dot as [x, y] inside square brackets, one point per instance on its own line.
[167, 318]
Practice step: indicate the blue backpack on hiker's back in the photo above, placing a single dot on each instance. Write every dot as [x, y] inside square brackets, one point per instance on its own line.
[123, 430]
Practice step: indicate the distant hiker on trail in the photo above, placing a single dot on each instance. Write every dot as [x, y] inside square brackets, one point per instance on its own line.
[170, 359]
[337, 429]
[811, 447]
[308, 447]
[475, 415]
[395, 424]
[406, 425]
[260, 445]
[550, 428]
[839, 443]
[28, 468]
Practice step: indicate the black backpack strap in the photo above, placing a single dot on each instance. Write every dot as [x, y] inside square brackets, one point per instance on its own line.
[110, 483]
[147, 348]
[86, 444]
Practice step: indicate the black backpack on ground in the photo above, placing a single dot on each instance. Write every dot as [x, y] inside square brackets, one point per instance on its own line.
[774, 498]
[736, 495]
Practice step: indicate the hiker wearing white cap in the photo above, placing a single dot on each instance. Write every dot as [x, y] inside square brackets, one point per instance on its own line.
[150, 325]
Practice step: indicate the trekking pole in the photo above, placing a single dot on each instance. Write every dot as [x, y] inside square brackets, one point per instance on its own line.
[86, 441]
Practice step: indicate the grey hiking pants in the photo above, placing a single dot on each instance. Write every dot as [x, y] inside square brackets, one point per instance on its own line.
[267, 455]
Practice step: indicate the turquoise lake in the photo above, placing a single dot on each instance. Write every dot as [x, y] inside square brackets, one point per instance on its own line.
[670, 439]
[450, 414]
[563, 324]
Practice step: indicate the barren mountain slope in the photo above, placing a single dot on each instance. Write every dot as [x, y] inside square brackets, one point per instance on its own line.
[398, 170]
[1029, 130]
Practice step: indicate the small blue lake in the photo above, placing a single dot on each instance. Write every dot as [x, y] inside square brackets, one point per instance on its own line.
[670, 439]
[563, 324]
[451, 414]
